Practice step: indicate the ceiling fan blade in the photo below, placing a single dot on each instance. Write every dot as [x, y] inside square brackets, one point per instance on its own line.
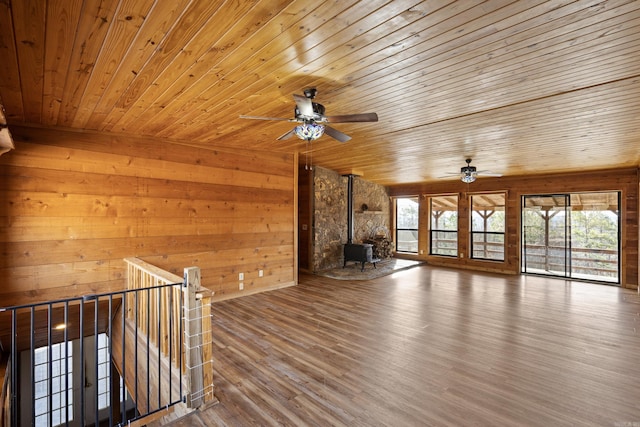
[346, 118]
[336, 134]
[287, 135]
[304, 104]
[478, 173]
[264, 118]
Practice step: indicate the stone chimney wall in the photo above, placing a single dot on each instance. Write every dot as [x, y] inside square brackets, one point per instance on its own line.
[330, 215]
[329, 218]
[371, 206]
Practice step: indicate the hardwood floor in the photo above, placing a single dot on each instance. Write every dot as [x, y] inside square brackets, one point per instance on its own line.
[428, 346]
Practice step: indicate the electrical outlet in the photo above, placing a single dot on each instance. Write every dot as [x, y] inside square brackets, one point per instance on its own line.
[260, 273]
[241, 286]
[241, 276]
[421, 251]
[461, 254]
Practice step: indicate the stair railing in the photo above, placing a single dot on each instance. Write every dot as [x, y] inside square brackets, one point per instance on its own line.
[156, 335]
[196, 333]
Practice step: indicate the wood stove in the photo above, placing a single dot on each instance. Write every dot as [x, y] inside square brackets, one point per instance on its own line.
[360, 253]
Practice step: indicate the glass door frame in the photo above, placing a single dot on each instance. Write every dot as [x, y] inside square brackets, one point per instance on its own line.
[547, 219]
[591, 263]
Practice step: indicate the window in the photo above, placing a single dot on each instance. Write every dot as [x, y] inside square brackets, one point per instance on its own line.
[444, 225]
[54, 376]
[104, 374]
[487, 226]
[407, 224]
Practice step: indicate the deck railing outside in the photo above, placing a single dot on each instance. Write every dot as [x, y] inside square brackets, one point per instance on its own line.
[584, 263]
[596, 264]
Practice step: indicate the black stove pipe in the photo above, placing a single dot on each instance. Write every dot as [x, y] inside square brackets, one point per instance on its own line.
[350, 208]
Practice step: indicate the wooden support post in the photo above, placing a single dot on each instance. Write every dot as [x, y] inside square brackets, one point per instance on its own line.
[198, 340]
[207, 347]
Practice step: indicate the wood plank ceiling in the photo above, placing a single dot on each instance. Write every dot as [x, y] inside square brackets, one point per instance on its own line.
[521, 87]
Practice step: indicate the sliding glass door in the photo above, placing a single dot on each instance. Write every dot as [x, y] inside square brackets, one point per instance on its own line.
[574, 235]
[546, 247]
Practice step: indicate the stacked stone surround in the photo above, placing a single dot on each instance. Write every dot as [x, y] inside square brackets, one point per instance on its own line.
[374, 220]
[329, 218]
[330, 215]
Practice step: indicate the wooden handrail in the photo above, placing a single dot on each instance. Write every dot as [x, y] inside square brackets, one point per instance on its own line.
[142, 275]
[157, 273]
[195, 360]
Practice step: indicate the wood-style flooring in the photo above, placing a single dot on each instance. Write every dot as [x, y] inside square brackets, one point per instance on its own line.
[428, 347]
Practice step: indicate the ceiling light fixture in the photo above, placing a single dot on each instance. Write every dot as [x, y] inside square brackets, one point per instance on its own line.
[309, 131]
[468, 173]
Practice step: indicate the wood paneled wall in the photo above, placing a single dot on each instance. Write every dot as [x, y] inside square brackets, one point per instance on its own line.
[624, 180]
[73, 205]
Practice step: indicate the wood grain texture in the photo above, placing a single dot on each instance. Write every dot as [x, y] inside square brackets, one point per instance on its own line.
[427, 346]
[521, 87]
[76, 204]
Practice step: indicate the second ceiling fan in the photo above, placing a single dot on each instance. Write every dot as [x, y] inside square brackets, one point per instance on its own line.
[312, 121]
[469, 173]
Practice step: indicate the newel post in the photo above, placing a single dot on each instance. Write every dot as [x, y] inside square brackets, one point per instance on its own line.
[198, 340]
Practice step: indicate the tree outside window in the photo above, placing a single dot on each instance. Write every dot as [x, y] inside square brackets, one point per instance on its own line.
[443, 225]
[407, 213]
[488, 226]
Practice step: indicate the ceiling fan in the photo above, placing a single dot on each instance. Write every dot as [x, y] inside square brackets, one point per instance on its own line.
[469, 173]
[312, 121]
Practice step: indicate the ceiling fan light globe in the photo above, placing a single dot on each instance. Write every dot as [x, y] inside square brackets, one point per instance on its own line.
[468, 178]
[309, 131]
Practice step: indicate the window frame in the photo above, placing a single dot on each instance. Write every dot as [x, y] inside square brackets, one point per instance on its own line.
[397, 229]
[473, 233]
[433, 232]
[50, 384]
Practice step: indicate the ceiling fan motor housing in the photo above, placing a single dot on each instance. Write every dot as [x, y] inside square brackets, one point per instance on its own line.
[310, 92]
[468, 169]
[318, 110]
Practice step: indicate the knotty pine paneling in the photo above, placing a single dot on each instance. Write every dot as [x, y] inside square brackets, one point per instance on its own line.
[73, 205]
[554, 83]
[624, 180]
